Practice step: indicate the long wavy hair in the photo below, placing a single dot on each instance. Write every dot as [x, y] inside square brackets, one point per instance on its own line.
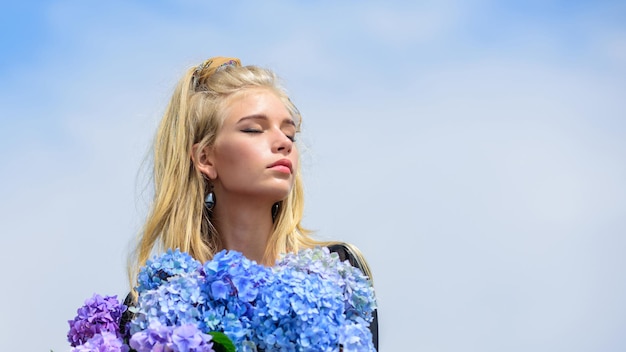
[178, 217]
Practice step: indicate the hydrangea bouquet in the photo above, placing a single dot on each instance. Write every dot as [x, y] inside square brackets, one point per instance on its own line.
[309, 301]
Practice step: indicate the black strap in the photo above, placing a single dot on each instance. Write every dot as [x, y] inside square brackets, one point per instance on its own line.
[127, 316]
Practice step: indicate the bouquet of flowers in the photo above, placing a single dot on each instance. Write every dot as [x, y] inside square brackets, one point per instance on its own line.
[309, 301]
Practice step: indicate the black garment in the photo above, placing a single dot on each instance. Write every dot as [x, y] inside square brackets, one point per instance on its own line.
[344, 254]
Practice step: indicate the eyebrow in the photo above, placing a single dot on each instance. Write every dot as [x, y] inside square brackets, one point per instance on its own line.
[286, 120]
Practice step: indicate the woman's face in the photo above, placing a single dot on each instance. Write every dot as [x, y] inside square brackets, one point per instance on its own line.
[254, 153]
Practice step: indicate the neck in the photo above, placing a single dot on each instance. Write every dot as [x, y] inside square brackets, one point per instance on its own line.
[244, 225]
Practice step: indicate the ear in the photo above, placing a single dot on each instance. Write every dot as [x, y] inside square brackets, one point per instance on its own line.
[203, 161]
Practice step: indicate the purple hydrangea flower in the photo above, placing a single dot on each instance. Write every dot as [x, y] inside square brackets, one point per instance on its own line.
[148, 338]
[185, 338]
[103, 342]
[98, 315]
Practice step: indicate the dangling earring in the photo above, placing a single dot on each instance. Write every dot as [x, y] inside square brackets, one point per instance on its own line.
[209, 201]
[275, 208]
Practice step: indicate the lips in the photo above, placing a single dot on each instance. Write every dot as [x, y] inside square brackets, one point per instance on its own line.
[283, 165]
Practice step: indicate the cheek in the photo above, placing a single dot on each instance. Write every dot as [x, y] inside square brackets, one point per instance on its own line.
[237, 159]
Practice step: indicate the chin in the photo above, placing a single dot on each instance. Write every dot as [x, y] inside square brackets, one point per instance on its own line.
[279, 194]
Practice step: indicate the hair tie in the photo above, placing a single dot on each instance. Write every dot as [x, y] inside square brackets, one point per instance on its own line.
[212, 65]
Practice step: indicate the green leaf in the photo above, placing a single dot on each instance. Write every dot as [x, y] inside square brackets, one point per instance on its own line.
[221, 342]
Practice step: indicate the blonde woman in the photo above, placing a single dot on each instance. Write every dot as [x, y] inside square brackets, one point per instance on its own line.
[227, 171]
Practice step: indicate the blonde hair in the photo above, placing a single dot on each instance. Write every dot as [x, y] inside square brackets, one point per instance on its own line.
[178, 217]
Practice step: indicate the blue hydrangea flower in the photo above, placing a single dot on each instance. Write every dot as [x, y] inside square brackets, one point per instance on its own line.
[160, 268]
[325, 294]
[177, 301]
[232, 285]
[355, 336]
[298, 311]
[358, 291]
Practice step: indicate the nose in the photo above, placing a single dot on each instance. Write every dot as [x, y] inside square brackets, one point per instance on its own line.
[281, 143]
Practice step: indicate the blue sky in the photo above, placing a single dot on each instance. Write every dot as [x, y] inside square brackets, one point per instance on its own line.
[475, 151]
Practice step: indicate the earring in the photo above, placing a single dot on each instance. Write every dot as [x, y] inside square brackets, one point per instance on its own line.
[209, 201]
[275, 208]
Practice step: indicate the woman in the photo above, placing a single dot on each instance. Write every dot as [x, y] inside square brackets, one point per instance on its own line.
[227, 173]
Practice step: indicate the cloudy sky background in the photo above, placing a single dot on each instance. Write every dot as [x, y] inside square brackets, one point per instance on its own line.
[474, 150]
